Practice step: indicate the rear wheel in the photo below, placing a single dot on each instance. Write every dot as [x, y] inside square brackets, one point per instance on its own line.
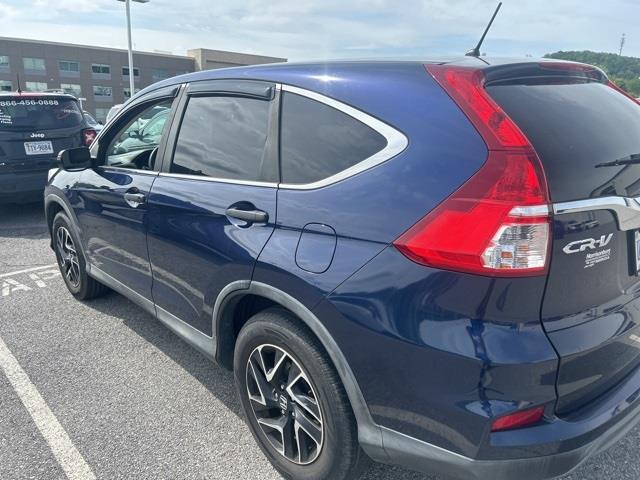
[71, 261]
[294, 402]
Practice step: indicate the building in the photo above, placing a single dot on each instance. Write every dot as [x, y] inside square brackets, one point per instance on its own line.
[100, 76]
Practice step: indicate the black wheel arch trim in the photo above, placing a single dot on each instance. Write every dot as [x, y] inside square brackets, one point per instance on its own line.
[54, 198]
[369, 433]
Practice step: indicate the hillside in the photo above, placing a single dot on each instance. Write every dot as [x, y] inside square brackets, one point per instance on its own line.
[624, 71]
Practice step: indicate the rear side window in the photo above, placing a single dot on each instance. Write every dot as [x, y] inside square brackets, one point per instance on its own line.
[318, 141]
[39, 113]
[223, 137]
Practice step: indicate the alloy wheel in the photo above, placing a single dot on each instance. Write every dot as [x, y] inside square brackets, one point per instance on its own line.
[67, 256]
[285, 404]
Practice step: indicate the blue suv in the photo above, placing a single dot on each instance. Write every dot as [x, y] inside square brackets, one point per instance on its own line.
[430, 264]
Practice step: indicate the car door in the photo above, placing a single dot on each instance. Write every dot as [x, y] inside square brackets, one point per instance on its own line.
[113, 213]
[213, 206]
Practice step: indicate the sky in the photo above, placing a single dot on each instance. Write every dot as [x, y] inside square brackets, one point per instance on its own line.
[332, 29]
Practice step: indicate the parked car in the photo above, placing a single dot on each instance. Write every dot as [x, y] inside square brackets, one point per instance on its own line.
[34, 127]
[387, 254]
[113, 111]
[92, 122]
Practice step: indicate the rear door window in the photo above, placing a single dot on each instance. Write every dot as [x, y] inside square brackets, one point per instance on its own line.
[318, 141]
[39, 113]
[225, 138]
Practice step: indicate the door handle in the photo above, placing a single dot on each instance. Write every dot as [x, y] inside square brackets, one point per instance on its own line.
[134, 199]
[251, 216]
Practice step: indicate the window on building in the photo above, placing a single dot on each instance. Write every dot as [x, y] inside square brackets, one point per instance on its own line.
[4, 62]
[5, 86]
[136, 71]
[101, 92]
[68, 66]
[318, 141]
[127, 92]
[101, 69]
[35, 86]
[72, 88]
[222, 137]
[34, 64]
[101, 114]
[159, 74]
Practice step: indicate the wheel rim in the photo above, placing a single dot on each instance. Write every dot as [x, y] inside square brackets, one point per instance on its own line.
[67, 256]
[285, 404]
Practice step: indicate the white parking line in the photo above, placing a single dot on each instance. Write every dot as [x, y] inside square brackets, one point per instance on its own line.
[27, 270]
[66, 454]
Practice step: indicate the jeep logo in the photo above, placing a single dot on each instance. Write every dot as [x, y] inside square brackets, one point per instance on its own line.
[590, 243]
[36, 135]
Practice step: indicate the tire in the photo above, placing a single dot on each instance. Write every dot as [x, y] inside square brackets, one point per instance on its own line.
[71, 261]
[275, 337]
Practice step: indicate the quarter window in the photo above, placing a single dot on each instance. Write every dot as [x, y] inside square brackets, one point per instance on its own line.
[318, 141]
[223, 137]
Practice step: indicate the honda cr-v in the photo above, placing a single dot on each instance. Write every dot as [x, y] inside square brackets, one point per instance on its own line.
[432, 264]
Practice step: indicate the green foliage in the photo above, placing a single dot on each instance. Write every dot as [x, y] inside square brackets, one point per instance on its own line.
[624, 71]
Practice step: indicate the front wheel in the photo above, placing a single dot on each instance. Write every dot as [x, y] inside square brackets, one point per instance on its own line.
[71, 261]
[294, 402]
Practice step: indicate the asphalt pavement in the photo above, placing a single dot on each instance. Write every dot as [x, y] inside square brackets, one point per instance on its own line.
[102, 390]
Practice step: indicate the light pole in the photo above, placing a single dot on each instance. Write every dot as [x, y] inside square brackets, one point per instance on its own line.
[131, 76]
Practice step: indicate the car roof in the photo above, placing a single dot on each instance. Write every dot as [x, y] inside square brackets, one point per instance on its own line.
[283, 72]
[37, 94]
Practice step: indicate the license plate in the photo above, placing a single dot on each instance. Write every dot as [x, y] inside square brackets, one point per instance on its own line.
[637, 249]
[38, 148]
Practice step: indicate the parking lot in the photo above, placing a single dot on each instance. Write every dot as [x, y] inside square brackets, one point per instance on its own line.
[122, 397]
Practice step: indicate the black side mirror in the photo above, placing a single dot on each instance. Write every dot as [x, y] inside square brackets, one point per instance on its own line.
[75, 159]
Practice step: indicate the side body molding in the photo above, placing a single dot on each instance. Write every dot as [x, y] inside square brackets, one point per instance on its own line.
[369, 433]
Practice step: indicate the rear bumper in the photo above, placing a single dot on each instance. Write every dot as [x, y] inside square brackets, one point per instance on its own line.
[421, 456]
[573, 440]
[20, 187]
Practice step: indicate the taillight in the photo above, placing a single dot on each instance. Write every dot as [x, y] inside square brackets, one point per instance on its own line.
[498, 223]
[616, 87]
[88, 136]
[523, 418]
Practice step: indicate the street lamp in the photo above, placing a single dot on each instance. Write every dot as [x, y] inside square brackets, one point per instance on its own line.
[131, 76]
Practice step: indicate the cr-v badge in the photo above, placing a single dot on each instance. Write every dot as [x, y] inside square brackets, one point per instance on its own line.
[590, 243]
[591, 258]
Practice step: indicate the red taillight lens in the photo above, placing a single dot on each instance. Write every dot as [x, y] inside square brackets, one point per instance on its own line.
[88, 136]
[520, 419]
[498, 222]
[616, 87]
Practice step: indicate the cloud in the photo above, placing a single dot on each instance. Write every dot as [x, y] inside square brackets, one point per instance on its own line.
[302, 29]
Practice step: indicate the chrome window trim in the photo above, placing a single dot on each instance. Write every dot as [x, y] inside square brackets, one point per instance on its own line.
[133, 170]
[625, 209]
[187, 176]
[396, 140]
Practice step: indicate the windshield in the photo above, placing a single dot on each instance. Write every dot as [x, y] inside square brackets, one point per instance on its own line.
[39, 113]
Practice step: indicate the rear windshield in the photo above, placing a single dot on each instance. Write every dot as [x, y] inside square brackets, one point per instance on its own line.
[574, 126]
[39, 113]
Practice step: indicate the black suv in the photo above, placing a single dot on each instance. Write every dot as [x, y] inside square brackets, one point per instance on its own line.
[34, 127]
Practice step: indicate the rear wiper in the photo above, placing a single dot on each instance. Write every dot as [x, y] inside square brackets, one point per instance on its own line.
[630, 160]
